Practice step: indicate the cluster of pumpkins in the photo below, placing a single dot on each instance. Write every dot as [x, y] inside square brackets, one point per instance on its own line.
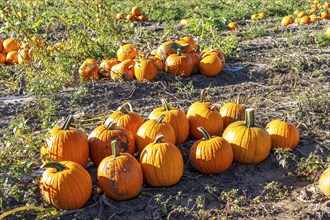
[317, 11]
[135, 15]
[120, 175]
[179, 58]
[11, 52]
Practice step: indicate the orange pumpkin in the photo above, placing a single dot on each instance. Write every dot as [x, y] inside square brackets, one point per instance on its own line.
[106, 65]
[286, 20]
[232, 26]
[145, 69]
[195, 106]
[120, 175]
[143, 18]
[195, 59]
[211, 155]
[251, 144]
[283, 134]
[305, 20]
[136, 11]
[150, 129]
[1, 45]
[175, 117]
[161, 163]
[210, 65]
[90, 69]
[102, 136]
[179, 64]
[12, 57]
[3, 56]
[126, 118]
[10, 44]
[123, 70]
[66, 144]
[187, 46]
[191, 41]
[127, 51]
[65, 185]
[120, 16]
[231, 112]
[209, 51]
[324, 182]
[24, 55]
[166, 49]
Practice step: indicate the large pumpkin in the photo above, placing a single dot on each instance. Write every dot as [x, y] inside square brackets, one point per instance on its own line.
[120, 175]
[150, 129]
[179, 64]
[66, 144]
[211, 154]
[102, 136]
[324, 182]
[175, 117]
[231, 112]
[65, 185]
[283, 134]
[126, 118]
[161, 163]
[251, 143]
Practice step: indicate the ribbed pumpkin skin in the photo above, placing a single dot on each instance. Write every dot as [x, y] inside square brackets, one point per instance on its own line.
[100, 141]
[129, 120]
[176, 118]
[211, 156]
[207, 117]
[324, 182]
[120, 177]
[150, 129]
[67, 189]
[283, 134]
[250, 145]
[162, 164]
[191, 41]
[166, 49]
[210, 65]
[90, 69]
[232, 112]
[106, 65]
[179, 65]
[145, 69]
[123, 70]
[195, 106]
[127, 51]
[66, 145]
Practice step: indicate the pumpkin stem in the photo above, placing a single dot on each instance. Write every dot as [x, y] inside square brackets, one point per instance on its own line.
[249, 117]
[53, 164]
[111, 125]
[237, 100]
[123, 109]
[114, 148]
[165, 105]
[159, 138]
[67, 123]
[179, 52]
[215, 107]
[160, 119]
[203, 94]
[204, 132]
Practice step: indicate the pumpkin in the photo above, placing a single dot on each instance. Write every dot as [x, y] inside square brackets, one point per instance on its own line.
[145, 69]
[126, 118]
[211, 155]
[210, 65]
[100, 140]
[123, 70]
[283, 134]
[120, 175]
[131, 17]
[23, 56]
[286, 20]
[179, 64]
[12, 57]
[191, 41]
[255, 17]
[327, 32]
[195, 106]
[1, 45]
[166, 49]
[305, 20]
[324, 182]
[66, 144]
[325, 15]
[106, 65]
[143, 18]
[150, 129]
[10, 44]
[301, 14]
[251, 144]
[187, 46]
[90, 69]
[195, 60]
[175, 117]
[209, 51]
[136, 11]
[262, 15]
[231, 112]
[158, 62]
[313, 18]
[161, 163]
[65, 185]
[232, 26]
[296, 12]
[207, 116]
[120, 16]
[127, 51]
[3, 56]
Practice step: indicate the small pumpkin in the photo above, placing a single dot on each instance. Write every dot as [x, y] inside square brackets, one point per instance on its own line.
[187, 46]
[127, 51]
[145, 69]
[262, 15]
[161, 163]
[219, 54]
[191, 41]
[23, 56]
[325, 15]
[143, 18]
[167, 48]
[175, 117]
[3, 56]
[90, 69]
[65, 185]
[231, 112]
[123, 70]
[100, 141]
[106, 65]
[283, 134]
[66, 144]
[136, 11]
[10, 44]
[126, 118]
[324, 182]
[179, 64]
[286, 20]
[251, 144]
[120, 175]
[232, 26]
[195, 59]
[305, 20]
[210, 65]
[327, 32]
[211, 154]
[120, 16]
[255, 17]
[150, 129]
[12, 57]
